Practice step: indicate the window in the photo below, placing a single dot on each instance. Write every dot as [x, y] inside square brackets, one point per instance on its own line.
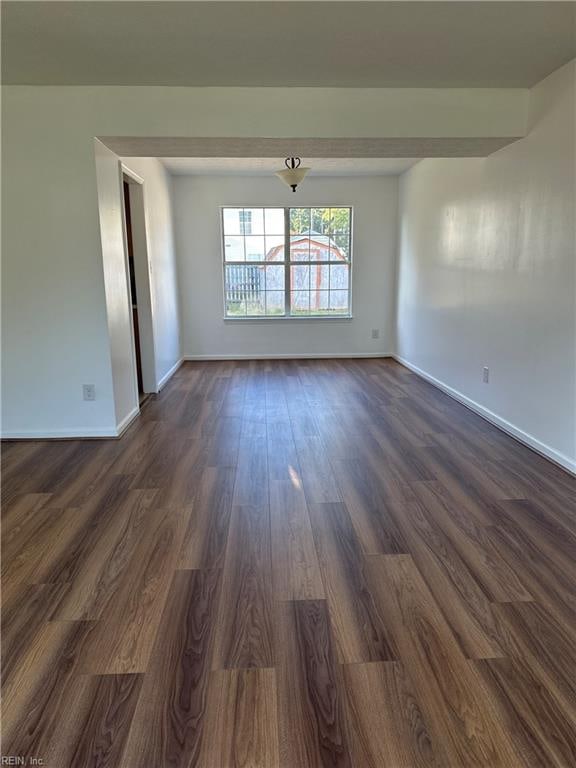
[245, 221]
[287, 262]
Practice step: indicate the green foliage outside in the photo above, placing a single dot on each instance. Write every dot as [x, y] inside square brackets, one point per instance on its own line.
[321, 220]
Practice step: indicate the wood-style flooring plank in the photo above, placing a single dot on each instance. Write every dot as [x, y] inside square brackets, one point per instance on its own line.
[312, 725]
[317, 474]
[387, 727]
[86, 526]
[548, 574]
[454, 701]
[546, 532]
[462, 600]
[100, 569]
[15, 514]
[281, 450]
[359, 629]
[45, 694]
[528, 632]
[341, 440]
[403, 459]
[137, 443]
[204, 542]
[174, 693]
[461, 483]
[110, 705]
[123, 642]
[23, 617]
[370, 508]
[241, 727]
[162, 458]
[89, 477]
[251, 488]
[472, 541]
[38, 546]
[541, 730]
[15, 454]
[296, 572]
[244, 635]
[179, 487]
[224, 444]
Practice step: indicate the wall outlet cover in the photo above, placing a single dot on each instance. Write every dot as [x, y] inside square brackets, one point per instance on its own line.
[89, 391]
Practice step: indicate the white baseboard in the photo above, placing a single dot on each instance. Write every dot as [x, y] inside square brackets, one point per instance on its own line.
[290, 356]
[59, 434]
[167, 376]
[524, 437]
[127, 420]
[75, 433]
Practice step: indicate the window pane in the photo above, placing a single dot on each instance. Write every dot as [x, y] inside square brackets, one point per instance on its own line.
[244, 286]
[339, 220]
[300, 278]
[320, 220]
[339, 301]
[255, 248]
[274, 247]
[253, 219]
[299, 248]
[319, 247]
[235, 307]
[275, 278]
[274, 302]
[256, 304]
[234, 248]
[299, 220]
[231, 220]
[340, 248]
[274, 221]
[319, 301]
[319, 277]
[339, 276]
[300, 302]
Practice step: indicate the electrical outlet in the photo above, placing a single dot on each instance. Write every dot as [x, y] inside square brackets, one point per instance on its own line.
[89, 391]
[485, 375]
[375, 333]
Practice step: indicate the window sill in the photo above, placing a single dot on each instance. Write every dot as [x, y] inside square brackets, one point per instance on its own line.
[289, 319]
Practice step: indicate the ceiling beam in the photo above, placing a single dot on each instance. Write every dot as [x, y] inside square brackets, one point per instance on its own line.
[182, 146]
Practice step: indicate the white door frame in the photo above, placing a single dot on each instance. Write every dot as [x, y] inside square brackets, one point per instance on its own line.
[143, 281]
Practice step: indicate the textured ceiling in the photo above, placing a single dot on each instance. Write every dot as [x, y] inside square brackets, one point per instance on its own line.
[343, 44]
[256, 166]
[360, 147]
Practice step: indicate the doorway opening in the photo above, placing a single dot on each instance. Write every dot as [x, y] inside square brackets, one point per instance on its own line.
[138, 274]
[133, 292]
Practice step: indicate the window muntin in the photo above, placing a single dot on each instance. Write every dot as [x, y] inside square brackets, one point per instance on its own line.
[287, 262]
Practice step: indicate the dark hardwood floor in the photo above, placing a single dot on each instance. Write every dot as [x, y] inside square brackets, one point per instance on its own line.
[290, 564]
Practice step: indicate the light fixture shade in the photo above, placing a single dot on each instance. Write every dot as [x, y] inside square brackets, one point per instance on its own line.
[293, 174]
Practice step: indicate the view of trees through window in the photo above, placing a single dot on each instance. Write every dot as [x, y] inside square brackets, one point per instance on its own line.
[287, 261]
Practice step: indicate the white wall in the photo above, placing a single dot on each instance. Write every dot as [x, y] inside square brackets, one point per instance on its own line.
[487, 274]
[54, 330]
[197, 226]
[54, 324]
[158, 206]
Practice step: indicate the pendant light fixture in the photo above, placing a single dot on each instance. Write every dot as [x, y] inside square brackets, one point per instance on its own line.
[294, 172]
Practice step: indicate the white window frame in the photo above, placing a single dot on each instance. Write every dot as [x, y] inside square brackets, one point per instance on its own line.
[287, 264]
